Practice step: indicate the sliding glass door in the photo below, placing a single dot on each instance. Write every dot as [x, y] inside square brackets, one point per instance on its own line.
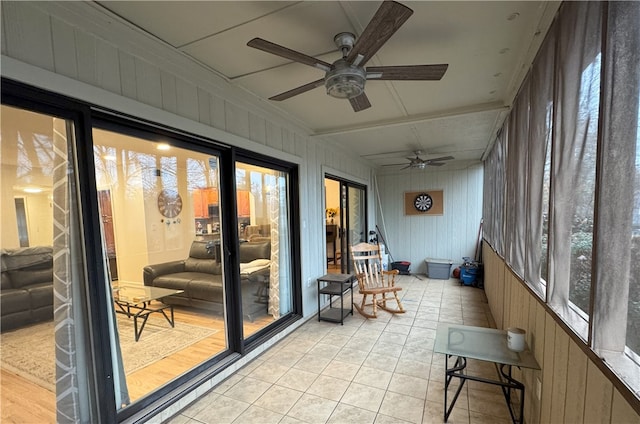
[346, 224]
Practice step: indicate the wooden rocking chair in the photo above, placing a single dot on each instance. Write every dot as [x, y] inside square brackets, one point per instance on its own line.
[374, 281]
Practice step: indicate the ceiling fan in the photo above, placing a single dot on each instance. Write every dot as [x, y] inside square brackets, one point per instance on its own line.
[345, 78]
[419, 163]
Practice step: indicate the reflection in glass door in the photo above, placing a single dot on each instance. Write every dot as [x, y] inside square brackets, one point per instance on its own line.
[346, 221]
[41, 250]
[165, 231]
[353, 207]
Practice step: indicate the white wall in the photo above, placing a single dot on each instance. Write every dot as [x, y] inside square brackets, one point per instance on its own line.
[414, 238]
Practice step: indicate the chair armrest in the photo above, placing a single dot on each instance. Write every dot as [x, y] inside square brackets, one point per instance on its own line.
[150, 272]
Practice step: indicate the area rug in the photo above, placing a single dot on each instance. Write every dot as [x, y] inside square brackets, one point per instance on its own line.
[29, 351]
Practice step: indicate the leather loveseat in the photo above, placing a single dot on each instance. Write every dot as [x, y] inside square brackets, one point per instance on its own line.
[26, 291]
[200, 276]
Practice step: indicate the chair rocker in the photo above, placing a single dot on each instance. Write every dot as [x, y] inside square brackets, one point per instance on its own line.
[374, 280]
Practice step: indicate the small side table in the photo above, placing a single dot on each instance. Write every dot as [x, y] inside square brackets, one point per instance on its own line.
[335, 285]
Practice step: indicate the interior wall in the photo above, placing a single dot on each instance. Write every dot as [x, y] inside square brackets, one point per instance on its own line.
[451, 235]
[573, 389]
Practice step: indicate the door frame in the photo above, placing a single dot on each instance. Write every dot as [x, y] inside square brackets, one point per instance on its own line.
[344, 224]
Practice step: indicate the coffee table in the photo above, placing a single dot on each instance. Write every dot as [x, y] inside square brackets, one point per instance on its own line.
[484, 344]
[135, 301]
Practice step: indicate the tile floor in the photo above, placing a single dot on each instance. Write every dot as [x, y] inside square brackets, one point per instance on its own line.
[366, 371]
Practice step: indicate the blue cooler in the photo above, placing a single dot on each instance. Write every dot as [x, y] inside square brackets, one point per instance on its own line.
[468, 274]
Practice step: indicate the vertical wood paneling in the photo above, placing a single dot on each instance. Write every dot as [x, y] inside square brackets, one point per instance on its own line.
[415, 238]
[128, 84]
[274, 136]
[86, 57]
[237, 120]
[622, 413]
[288, 141]
[169, 92]
[547, 370]
[257, 129]
[559, 383]
[577, 381]
[64, 48]
[599, 396]
[28, 34]
[204, 106]
[107, 69]
[187, 99]
[218, 117]
[149, 88]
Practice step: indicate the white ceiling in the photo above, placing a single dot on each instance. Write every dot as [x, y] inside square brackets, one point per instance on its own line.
[489, 47]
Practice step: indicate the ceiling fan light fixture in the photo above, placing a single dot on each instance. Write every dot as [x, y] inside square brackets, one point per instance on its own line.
[345, 81]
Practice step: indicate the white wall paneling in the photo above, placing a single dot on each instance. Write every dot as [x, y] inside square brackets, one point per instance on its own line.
[450, 236]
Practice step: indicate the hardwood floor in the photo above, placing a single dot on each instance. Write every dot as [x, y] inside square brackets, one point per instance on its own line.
[22, 401]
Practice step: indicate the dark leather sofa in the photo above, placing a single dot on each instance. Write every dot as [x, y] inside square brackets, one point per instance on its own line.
[200, 277]
[26, 290]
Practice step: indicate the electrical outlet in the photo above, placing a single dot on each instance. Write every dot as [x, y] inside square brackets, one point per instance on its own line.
[538, 388]
[309, 282]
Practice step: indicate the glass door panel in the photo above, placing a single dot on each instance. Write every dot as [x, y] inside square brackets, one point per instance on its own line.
[163, 243]
[354, 220]
[264, 245]
[40, 249]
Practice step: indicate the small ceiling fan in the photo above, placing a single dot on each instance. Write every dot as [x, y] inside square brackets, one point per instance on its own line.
[419, 163]
[345, 78]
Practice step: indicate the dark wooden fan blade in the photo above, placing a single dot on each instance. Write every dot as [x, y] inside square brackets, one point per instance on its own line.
[298, 90]
[407, 73]
[360, 102]
[389, 17]
[442, 158]
[434, 163]
[278, 50]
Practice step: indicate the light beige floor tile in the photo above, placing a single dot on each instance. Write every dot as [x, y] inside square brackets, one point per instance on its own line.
[323, 350]
[286, 358]
[297, 379]
[180, 419]
[257, 415]
[222, 410]
[278, 399]
[335, 339]
[415, 368]
[312, 409]
[389, 349]
[434, 413]
[329, 387]
[435, 393]
[269, 372]
[404, 407]
[381, 362]
[409, 385]
[478, 418]
[312, 363]
[385, 419]
[392, 338]
[365, 397]
[361, 343]
[290, 420]
[246, 370]
[373, 377]
[397, 328]
[342, 370]
[195, 408]
[344, 414]
[488, 403]
[352, 356]
[248, 390]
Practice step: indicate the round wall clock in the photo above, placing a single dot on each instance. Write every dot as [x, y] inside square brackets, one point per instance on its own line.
[423, 202]
[169, 203]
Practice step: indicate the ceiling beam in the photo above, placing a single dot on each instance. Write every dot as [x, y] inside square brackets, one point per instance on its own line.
[484, 107]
